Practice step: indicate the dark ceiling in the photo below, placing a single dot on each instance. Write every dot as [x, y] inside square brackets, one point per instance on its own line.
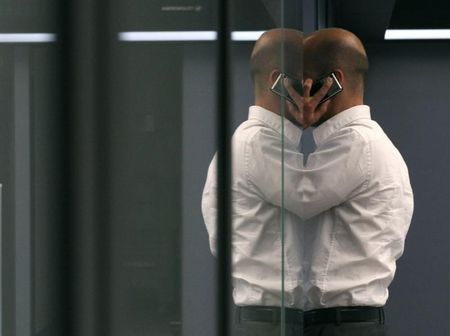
[369, 19]
[366, 18]
[421, 14]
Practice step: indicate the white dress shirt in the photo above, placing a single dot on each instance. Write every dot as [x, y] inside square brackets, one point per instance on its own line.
[358, 189]
[256, 221]
[353, 195]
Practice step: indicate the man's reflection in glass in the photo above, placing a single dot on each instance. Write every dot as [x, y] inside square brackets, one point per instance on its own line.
[257, 198]
[355, 190]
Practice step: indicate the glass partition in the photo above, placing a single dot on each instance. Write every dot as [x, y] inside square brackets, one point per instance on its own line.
[119, 170]
[163, 134]
[31, 168]
[110, 123]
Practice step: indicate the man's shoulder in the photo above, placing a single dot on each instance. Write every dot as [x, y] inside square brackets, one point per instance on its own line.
[251, 130]
[366, 130]
[370, 134]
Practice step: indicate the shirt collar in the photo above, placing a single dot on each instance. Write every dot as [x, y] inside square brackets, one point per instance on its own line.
[273, 120]
[338, 121]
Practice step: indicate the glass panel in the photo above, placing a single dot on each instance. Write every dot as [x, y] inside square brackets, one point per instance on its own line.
[145, 163]
[256, 234]
[162, 130]
[162, 137]
[48, 186]
[31, 168]
[263, 283]
[109, 121]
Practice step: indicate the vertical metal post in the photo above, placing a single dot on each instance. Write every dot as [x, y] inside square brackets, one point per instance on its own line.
[282, 227]
[103, 68]
[85, 66]
[1, 265]
[22, 192]
[224, 164]
[86, 40]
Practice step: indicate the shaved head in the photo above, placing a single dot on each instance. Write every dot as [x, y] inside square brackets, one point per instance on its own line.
[329, 49]
[277, 49]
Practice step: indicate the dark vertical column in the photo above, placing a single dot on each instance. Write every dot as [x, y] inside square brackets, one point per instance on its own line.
[103, 52]
[66, 247]
[224, 164]
[85, 41]
[81, 217]
[1, 263]
[23, 193]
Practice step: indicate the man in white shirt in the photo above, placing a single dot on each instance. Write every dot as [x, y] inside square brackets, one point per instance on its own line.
[257, 147]
[354, 192]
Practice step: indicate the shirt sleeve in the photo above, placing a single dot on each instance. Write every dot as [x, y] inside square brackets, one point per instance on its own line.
[334, 172]
[209, 205]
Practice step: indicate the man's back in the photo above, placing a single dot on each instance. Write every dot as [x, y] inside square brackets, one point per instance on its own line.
[257, 224]
[352, 247]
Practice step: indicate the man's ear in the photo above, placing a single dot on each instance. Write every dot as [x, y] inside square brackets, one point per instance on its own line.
[340, 76]
[273, 76]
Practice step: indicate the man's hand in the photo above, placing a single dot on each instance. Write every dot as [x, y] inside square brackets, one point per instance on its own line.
[307, 110]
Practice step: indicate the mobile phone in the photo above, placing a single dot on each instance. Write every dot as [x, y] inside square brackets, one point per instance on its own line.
[335, 88]
[279, 88]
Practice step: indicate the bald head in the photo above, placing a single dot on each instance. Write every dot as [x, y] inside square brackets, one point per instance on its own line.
[277, 49]
[330, 49]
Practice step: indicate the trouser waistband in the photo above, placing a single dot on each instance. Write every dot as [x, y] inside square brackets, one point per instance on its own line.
[268, 314]
[338, 315]
[335, 315]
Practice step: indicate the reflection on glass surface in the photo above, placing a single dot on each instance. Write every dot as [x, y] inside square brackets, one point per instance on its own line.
[256, 249]
[27, 38]
[102, 230]
[30, 168]
[31, 172]
[161, 95]
[145, 164]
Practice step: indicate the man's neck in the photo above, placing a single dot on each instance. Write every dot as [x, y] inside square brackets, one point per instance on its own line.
[275, 107]
[268, 105]
[339, 106]
[349, 103]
